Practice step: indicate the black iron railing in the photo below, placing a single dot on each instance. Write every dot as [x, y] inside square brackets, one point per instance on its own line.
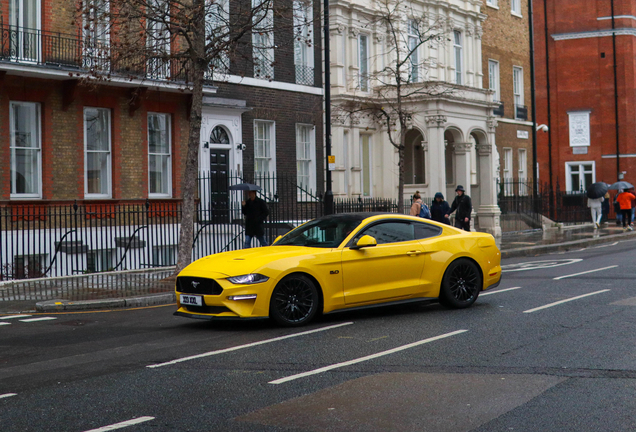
[521, 112]
[500, 110]
[304, 75]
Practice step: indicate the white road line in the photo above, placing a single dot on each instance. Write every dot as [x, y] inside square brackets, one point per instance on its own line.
[122, 424]
[6, 395]
[498, 291]
[565, 301]
[585, 272]
[605, 245]
[14, 316]
[38, 319]
[4, 323]
[211, 353]
[363, 359]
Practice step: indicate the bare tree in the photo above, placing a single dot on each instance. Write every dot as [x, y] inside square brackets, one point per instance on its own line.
[402, 81]
[186, 41]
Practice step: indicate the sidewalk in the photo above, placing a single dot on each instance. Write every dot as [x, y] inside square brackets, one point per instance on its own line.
[155, 287]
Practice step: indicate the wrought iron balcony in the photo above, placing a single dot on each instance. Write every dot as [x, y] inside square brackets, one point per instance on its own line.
[76, 53]
[304, 75]
[521, 112]
[499, 111]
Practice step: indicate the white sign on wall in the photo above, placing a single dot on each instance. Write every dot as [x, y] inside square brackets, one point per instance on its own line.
[522, 134]
[579, 128]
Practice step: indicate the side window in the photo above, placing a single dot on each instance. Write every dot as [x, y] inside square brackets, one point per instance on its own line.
[389, 232]
[424, 231]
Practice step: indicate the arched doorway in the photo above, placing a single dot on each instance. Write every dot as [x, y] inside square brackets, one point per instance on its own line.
[414, 158]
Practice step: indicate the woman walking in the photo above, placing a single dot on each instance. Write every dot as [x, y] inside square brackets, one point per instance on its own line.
[625, 199]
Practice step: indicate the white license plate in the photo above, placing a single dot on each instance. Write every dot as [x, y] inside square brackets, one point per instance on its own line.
[191, 300]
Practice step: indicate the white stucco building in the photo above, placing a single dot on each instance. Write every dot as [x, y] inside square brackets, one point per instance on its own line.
[451, 139]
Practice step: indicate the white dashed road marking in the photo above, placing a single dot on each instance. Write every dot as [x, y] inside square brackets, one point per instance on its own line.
[565, 301]
[363, 359]
[498, 291]
[122, 424]
[4, 323]
[6, 395]
[585, 272]
[211, 353]
[14, 316]
[38, 319]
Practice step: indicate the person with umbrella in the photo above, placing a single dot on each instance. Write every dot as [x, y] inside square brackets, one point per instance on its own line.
[625, 201]
[255, 211]
[595, 196]
[618, 206]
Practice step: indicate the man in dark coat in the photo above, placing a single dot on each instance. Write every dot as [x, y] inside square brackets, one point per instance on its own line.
[439, 209]
[464, 207]
[255, 211]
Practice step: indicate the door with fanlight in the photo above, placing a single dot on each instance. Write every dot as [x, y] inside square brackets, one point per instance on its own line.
[219, 174]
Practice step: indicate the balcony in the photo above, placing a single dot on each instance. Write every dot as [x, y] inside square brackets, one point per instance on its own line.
[521, 112]
[74, 53]
[304, 75]
[499, 111]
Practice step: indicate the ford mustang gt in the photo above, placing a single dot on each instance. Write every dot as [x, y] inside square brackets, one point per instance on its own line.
[340, 262]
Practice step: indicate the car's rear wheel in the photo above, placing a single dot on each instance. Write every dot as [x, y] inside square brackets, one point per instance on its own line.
[294, 301]
[461, 284]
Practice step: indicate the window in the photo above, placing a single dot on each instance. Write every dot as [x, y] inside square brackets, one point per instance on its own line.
[303, 42]
[345, 159]
[365, 165]
[517, 87]
[305, 150]
[492, 3]
[458, 56]
[493, 79]
[26, 155]
[217, 26]
[424, 230]
[163, 256]
[99, 260]
[158, 41]
[96, 34]
[515, 7]
[388, 232]
[507, 172]
[522, 174]
[25, 16]
[264, 147]
[159, 156]
[414, 42]
[97, 155]
[263, 39]
[363, 62]
[579, 123]
[579, 175]
[29, 266]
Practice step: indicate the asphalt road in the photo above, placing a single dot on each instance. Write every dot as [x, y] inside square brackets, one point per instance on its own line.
[552, 349]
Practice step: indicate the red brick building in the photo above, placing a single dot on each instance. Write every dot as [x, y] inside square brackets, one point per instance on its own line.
[586, 91]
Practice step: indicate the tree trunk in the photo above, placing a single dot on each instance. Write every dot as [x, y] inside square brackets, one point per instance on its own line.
[401, 172]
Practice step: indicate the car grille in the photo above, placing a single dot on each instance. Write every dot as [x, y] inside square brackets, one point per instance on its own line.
[207, 309]
[195, 285]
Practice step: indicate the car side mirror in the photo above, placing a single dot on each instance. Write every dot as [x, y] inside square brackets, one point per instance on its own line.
[364, 242]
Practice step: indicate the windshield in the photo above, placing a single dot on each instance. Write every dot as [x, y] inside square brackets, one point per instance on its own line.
[326, 232]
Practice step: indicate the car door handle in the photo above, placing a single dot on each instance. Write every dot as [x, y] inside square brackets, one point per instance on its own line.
[414, 252]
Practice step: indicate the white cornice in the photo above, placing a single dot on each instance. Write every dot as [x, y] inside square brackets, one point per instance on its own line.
[595, 34]
[617, 17]
[276, 85]
[511, 121]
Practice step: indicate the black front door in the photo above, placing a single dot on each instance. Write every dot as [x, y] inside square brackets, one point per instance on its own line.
[219, 193]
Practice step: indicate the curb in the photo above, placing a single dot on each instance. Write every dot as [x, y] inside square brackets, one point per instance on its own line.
[565, 246]
[139, 301]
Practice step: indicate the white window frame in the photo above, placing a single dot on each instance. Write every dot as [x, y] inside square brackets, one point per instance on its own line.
[522, 166]
[459, 56]
[493, 3]
[109, 163]
[517, 87]
[168, 155]
[263, 41]
[309, 159]
[18, 20]
[494, 82]
[579, 128]
[303, 35]
[363, 63]
[515, 8]
[270, 142]
[369, 162]
[507, 171]
[36, 132]
[568, 173]
[413, 48]
[96, 34]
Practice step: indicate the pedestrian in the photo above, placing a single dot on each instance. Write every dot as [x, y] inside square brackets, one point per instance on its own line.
[595, 208]
[617, 208]
[605, 208]
[417, 204]
[255, 211]
[631, 218]
[625, 201]
[439, 209]
[464, 207]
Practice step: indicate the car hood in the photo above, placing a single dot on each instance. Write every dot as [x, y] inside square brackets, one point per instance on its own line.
[244, 261]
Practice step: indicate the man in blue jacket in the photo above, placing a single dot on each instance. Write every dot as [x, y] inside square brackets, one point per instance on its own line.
[439, 209]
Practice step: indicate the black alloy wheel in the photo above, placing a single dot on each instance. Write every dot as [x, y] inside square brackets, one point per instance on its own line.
[461, 284]
[294, 301]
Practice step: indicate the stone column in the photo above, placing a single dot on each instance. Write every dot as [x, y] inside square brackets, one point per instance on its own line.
[462, 165]
[435, 162]
[488, 213]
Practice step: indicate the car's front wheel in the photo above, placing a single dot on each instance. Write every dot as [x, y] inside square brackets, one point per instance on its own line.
[461, 284]
[294, 301]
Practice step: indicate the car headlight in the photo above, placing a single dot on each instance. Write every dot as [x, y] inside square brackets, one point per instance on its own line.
[252, 278]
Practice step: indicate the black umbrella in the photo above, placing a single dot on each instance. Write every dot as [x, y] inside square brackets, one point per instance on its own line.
[597, 190]
[245, 187]
[621, 185]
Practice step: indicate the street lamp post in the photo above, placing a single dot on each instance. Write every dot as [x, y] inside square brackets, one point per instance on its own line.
[328, 192]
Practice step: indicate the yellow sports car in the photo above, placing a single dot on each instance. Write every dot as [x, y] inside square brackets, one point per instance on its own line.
[338, 262]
